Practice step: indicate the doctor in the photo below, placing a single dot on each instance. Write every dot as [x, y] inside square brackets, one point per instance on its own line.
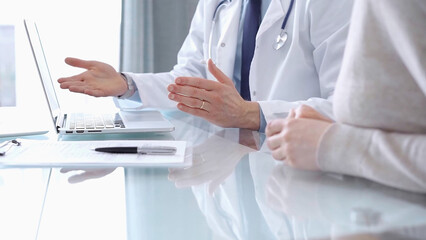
[296, 56]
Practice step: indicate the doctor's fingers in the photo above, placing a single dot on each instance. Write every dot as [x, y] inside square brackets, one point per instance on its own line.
[83, 87]
[76, 78]
[218, 74]
[80, 63]
[195, 103]
[202, 83]
[193, 111]
[87, 91]
[66, 85]
[189, 91]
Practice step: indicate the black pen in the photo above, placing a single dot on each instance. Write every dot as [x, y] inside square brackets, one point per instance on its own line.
[154, 150]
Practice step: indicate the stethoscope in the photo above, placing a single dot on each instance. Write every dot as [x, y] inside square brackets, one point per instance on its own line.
[222, 4]
[279, 42]
[283, 36]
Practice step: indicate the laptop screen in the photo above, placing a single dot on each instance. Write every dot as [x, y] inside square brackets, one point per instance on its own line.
[42, 67]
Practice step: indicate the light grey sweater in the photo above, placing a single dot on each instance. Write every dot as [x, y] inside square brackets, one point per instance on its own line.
[380, 97]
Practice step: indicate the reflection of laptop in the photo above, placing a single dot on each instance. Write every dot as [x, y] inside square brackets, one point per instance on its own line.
[83, 123]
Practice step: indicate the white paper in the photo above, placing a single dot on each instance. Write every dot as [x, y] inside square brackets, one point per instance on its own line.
[37, 153]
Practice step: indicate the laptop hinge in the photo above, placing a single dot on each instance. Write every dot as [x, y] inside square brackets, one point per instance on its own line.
[60, 120]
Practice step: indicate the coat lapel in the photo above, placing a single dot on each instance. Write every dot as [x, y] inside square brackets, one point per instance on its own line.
[276, 11]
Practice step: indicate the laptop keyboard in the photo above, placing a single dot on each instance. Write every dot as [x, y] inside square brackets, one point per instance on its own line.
[94, 121]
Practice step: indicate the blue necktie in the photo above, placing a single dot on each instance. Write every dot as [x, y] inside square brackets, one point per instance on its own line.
[251, 25]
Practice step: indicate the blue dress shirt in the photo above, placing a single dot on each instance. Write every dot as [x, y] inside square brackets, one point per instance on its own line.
[236, 78]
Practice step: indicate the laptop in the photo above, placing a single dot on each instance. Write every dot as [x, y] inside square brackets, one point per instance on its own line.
[86, 123]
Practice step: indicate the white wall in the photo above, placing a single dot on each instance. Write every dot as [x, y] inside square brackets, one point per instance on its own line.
[88, 29]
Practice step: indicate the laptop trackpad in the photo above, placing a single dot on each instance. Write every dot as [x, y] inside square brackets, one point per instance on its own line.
[134, 119]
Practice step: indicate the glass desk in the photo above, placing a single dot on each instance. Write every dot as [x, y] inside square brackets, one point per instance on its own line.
[22, 195]
[233, 190]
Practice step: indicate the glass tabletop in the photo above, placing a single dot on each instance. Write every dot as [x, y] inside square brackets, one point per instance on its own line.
[233, 190]
[22, 195]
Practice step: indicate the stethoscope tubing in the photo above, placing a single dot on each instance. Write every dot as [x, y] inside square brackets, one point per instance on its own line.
[222, 4]
[225, 3]
[287, 15]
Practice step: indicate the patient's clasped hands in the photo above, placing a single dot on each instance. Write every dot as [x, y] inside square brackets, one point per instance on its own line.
[295, 139]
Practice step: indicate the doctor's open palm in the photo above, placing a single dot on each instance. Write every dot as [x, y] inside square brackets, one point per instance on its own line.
[99, 79]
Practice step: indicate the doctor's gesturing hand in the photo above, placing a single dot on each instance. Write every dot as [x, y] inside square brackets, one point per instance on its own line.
[295, 139]
[100, 79]
[217, 102]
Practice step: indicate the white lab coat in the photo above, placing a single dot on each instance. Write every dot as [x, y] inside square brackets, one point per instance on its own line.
[303, 71]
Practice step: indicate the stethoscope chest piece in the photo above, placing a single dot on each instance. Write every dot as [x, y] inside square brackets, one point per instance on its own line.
[281, 40]
[283, 36]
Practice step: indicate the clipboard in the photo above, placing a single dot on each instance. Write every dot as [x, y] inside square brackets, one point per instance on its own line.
[81, 154]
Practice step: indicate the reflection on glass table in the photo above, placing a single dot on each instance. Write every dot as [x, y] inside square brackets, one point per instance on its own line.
[22, 196]
[94, 209]
[322, 206]
[213, 161]
[150, 193]
[81, 175]
[233, 190]
[153, 202]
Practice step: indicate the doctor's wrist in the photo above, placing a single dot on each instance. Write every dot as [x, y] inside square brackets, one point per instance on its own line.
[250, 116]
[130, 87]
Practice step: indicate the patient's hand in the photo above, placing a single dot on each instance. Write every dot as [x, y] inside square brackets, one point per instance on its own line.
[305, 111]
[296, 140]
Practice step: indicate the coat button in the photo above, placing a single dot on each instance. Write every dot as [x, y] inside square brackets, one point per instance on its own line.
[253, 93]
[223, 45]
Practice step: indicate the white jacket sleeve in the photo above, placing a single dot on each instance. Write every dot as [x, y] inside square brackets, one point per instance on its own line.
[329, 25]
[152, 87]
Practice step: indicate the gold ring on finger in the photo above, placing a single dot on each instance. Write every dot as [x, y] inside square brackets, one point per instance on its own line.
[202, 105]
